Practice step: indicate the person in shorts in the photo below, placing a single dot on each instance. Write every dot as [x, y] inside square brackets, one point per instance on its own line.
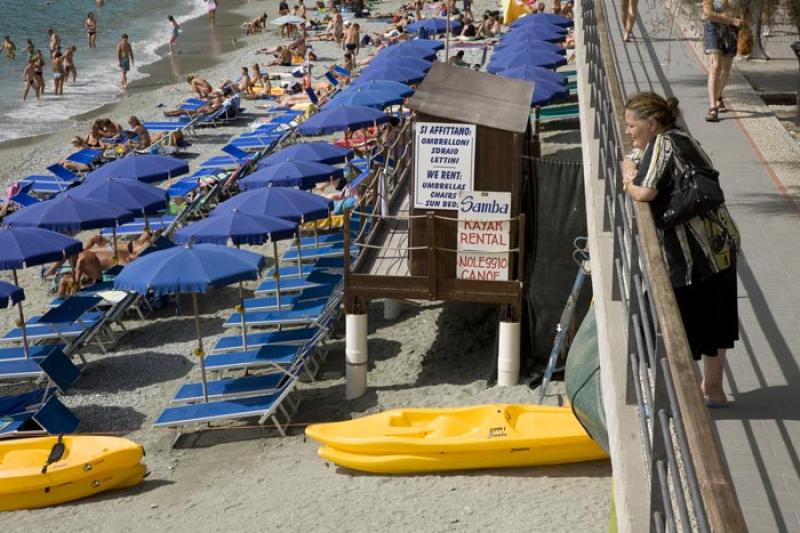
[124, 58]
[722, 19]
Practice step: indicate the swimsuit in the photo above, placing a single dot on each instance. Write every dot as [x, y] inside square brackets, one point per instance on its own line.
[125, 64]
[212, 5]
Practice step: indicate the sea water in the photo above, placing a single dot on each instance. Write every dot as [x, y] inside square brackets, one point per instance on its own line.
[145, 21]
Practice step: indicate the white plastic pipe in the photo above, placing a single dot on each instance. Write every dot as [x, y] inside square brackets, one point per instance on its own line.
[508, 354]
[356, 355]
[391, 308]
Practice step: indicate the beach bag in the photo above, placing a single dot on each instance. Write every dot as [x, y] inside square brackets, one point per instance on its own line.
[695, 188]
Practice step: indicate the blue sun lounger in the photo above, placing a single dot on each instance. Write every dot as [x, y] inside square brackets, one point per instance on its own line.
[270, 303]
[332, 264]
[311, 254]
[35, 413]
[291, 337]
[35, 351]
[265, 407]
[259, 143]
[54, 365]
[231, 388]
[300, 314]
[86, 156]
[314, 279]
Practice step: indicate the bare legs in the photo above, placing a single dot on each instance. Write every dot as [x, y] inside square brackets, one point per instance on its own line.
[711, 386]
[719, 70]
[630, 10]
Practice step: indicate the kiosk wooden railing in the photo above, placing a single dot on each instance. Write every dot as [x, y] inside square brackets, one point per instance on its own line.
[689, 486]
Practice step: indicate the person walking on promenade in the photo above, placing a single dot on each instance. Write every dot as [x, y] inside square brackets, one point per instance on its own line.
[700, 252]
[630, 10]
[124, 58]
[722, 19]
[91, 30]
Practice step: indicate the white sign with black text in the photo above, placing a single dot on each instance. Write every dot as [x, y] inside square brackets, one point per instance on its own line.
[484, 235]
[445, 163]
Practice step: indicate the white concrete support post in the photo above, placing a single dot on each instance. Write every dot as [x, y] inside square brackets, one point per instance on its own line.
[508, 354]
[356, 355]
[391, 308]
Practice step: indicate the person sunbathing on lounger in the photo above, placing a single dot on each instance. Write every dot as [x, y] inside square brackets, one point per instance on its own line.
[144, 139]
[216, 101]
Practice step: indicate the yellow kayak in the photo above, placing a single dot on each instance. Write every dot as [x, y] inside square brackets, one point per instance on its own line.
[552, 431]
[42, 471]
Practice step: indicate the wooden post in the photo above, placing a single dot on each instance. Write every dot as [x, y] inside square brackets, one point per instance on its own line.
[431, 237]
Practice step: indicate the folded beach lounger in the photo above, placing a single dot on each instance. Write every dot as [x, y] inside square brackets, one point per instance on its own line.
[35, 351]
[292, 337]
[300, 314]
[264, 407]
[270, 303]
[55, 365]
[315, 279]
[35, 413]
[312, 254]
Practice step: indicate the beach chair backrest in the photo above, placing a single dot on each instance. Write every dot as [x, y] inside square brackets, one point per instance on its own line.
[234, 151]
[55, 418]
[312, 96]
[61, 371]
[331, 79]
[341, 70]
[24, 199]
[71, 310]
[62, 172]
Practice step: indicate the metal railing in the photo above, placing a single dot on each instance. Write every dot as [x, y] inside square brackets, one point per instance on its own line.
[689, 486]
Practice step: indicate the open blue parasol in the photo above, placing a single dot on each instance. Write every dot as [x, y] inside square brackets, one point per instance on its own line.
[281, 202]
[365, 97]
[147, 168]
[398, 61]
[535, 23]
[512, 59]
[535, 74]
[430, 44]
[541, 34]
[394, 87]
[317, 151]
[303, 174]
[191, 269]
[341, 118]
[530, 44]
[238, 227]
[401, 50]
[67, 213]
[10, 294]
[433, 25]
[549, 18]
[390, 73]
[135, 196]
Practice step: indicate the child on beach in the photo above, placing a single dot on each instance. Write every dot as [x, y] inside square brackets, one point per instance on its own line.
[175, 29]
[9, 47]
[69, 63]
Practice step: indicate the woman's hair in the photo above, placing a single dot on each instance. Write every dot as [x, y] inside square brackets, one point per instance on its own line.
[651, 105]
[134, 121]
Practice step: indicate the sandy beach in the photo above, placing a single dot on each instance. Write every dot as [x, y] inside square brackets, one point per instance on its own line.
[250, 479]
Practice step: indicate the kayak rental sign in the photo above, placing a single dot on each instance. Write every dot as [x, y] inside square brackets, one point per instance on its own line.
[484, 235]
[445, 163]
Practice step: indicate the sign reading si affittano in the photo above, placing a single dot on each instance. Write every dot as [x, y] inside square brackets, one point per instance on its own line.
[445, 164]
[484, 235]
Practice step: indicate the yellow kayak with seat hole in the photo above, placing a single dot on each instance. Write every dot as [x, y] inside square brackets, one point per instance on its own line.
[484, 436]
[43, 471]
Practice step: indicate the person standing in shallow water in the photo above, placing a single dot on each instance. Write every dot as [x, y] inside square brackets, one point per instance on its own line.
[124, 58]
[174, 30]
[9, 47]
[91, 30]
[211, 5]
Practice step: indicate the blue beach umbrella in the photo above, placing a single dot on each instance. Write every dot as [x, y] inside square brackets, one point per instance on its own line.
[147, 168]
[400, 50]
[388, 72]
[238, 227]
[535, 74]
[433, 25]
[410, 63]
[366, 97]
[191, 269]
[535, 24]
[317, 151]
[281, 202]
[135, 196]
[22, 247]
[10, 294]
[529, 49]
[532, 44]
[521, 59]
[394, 87]
[549, 18]
[430, 44]
[303, 174]
[70, 214]
[534, 32]
[545, 93]
[341, 118]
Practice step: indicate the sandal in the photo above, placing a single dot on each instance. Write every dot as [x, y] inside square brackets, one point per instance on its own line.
[712, 115]
[721, 105]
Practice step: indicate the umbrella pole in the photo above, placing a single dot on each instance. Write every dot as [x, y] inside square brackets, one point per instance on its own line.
[199, 351]
[22, 321]
[316, 234]
[299, 254]
[277, 273]
[114, 238]
[241, 316]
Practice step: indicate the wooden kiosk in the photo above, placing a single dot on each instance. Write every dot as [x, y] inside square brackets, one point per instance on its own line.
[463, 211]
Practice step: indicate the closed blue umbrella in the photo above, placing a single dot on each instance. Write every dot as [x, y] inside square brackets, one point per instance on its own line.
[135, 196]
[22, 247]
[191, 269]
[341, 118]
[280, 202]
[401, 50]
[238, 227]
[535, 74]
[398, 61]
[394, 87]
[520, 59]
[318, 151]
[366, 97]
[147, 168]
[430, 44]
[10, 294]
[532, 44]
[549, 18]
[540, 34]
[69, 214]
[433, 25]
[303, 174]
[388, 72]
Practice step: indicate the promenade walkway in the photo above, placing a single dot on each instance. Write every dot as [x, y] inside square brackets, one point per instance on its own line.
[760, 431]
